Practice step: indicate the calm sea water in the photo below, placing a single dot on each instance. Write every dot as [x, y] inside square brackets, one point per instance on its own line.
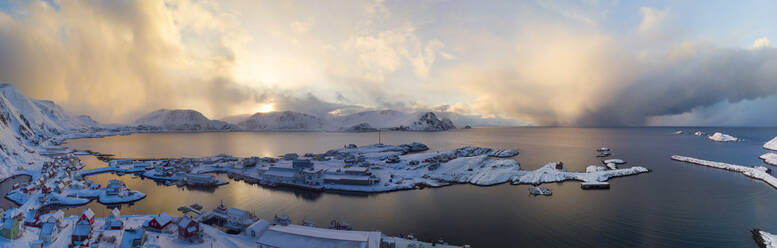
[676, 205]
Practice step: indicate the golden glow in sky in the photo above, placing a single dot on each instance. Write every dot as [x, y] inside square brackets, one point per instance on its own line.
[265, 108]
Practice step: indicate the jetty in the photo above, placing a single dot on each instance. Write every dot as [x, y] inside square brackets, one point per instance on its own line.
[756, 172]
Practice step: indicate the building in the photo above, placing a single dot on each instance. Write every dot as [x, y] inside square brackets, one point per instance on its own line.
[113, 221]
[189, 229]
[201, 180]
[82, 233]
[52, 225]
[158, 223]
[32, 218]
[290, 156]
[272, 236]
[301, 164]
[87, 215]
[115, 187]
[351, 176]
[12, 227]
[133, 238]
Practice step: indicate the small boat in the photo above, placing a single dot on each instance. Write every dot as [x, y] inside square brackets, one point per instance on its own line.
[284, 220]
[309, 223]
[196, 206]
[603, 149]
[540, 191]
[603, 154]
[339, 225]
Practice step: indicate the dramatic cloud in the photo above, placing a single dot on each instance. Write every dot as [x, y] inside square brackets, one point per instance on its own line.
[586, 63]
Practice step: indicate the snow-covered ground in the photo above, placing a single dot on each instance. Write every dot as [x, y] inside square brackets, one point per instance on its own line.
[769, 240]
[770, 158]
[211, 236]
[757, 172]
[721, 137]
[772, 144]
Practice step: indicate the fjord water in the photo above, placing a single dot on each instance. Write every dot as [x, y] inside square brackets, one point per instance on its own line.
[675, 205]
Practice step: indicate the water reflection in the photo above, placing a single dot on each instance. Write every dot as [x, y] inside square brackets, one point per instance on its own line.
[674, 205]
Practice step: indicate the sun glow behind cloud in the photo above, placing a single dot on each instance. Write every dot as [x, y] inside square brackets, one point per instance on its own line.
[265, 108]
[541, 62]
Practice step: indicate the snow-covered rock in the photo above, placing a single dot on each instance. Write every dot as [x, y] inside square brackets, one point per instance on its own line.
[721, 137]
[765, 239]
[614, 161]
[181, 120]
[772, 144]
[770, 158]
[470, 151]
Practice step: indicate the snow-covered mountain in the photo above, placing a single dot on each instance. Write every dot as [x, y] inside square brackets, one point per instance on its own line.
[286, 120]
[181, 120]
[27, 124]
[358, 122]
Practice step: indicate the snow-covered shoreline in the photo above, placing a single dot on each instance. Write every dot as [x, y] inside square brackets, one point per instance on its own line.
[771, 144]
[765, 239]
[756, 172]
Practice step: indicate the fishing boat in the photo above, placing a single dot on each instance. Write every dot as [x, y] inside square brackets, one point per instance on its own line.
[339, 225]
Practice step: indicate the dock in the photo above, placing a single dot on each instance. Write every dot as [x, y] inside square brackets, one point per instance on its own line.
[595, 185]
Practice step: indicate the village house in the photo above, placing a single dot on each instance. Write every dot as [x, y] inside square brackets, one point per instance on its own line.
[32, 218]
[82, 232]
[113, 221]
[52, 225]
[133, 238]
[189, 230]
[12, 227]
[115, 188]
[159, 223]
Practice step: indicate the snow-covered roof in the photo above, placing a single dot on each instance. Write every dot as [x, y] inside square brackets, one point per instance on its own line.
[88, 213]
[82, 229]
[303, 236]
[163, 218]
[184, 221]
[238, 213]
[47, 228]
[258, 227]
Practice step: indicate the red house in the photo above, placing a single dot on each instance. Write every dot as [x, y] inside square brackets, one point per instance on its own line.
[88, 216]
[159, 222]
[32, 218]
[188, 229]
[44, 189]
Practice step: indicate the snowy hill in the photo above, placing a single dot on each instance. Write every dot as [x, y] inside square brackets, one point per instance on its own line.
[286, 120]
[181, 120]
[358, 122]
[27, 124]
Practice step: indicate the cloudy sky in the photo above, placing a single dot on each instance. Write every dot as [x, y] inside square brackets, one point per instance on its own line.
[578, 63]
